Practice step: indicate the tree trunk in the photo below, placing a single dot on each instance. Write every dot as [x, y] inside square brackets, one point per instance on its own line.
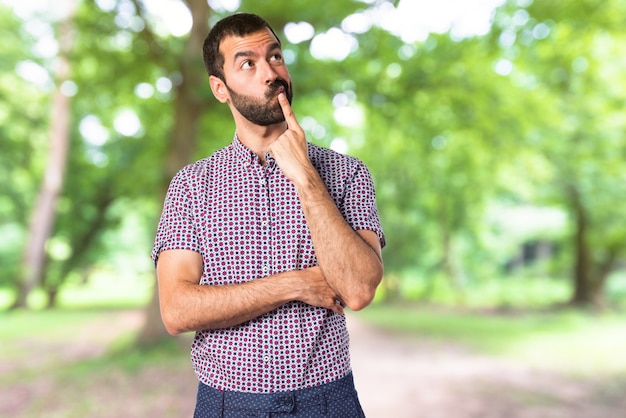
[52, 294]
[451, 272]
[188, 108]
[153, 330]
[585, 292]
[44, 212]
[80, 245]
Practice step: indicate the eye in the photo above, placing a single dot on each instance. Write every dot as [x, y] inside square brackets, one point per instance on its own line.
[277, 58]
[246, 65]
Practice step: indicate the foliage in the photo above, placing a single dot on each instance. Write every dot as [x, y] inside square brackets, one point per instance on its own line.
[453, 130]
[570, 59]
[22, 133]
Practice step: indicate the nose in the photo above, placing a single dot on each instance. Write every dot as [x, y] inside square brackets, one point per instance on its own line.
[268, 73]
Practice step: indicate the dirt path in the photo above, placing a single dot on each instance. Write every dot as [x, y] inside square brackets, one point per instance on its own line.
[399, 377]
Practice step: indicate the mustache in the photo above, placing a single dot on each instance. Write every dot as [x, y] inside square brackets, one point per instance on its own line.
[275, 85]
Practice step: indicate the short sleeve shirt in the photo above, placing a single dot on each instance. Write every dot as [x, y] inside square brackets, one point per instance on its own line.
[246, 221]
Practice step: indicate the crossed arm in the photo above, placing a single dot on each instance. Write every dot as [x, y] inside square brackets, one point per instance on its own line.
[189, 306]
[350, 263]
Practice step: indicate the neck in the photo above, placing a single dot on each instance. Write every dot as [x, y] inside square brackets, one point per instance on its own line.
[259, 138]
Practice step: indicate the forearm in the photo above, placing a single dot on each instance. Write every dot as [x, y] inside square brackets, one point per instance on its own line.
[187, 305]
[350, 261]
[351, 266]
[196, 307]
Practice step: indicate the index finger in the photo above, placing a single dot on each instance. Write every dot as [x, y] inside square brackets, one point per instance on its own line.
[290, 118]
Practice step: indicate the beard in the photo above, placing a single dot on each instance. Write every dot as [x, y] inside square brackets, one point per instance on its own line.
[265, 111]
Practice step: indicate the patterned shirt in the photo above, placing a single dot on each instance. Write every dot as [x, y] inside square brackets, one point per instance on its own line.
[246, 221]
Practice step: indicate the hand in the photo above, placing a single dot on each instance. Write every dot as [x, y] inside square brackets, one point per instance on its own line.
[316, 291]
[290, 149]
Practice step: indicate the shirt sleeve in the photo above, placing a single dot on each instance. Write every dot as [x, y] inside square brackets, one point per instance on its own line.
[176, 229]
[359, 206]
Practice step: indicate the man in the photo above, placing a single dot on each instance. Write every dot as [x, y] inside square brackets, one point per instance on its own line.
[262, 245]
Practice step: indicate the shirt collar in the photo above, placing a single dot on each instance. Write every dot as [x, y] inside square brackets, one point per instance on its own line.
[243, 153]
[247, 157]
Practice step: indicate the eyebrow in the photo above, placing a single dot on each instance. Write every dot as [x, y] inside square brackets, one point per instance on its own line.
[240, 54]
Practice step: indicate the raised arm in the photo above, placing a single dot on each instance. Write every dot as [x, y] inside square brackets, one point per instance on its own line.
[188, 306]
[350, 260]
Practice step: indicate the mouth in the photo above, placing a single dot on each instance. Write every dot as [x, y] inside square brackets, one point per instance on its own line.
[277, 87]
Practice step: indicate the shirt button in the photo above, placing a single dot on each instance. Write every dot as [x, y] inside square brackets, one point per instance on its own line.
[265, 268]
[264, 223]
[262, 182]
[266, 359]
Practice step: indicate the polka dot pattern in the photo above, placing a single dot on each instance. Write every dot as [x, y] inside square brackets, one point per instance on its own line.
[246, 221]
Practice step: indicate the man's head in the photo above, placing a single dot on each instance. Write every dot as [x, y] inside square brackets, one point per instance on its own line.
[244, 59]
[240, 25]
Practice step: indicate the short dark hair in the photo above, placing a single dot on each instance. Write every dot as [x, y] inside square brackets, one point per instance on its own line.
[239, 24]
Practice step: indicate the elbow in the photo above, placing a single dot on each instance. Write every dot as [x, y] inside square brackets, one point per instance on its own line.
[360, 302]
[366, 292]
[172, 326]
[173, 331]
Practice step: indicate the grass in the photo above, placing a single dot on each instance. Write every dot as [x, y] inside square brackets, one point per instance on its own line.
[573, 341]
[515, 291]
[45, 353]
[566, 340]
[103, 290]
[77, 362]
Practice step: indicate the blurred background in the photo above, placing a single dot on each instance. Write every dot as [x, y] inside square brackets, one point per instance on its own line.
[495, 131]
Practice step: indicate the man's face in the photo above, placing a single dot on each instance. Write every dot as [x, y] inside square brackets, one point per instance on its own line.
[263, 111]
[255, 73]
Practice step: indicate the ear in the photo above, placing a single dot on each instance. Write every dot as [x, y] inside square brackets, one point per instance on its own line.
[219, 89]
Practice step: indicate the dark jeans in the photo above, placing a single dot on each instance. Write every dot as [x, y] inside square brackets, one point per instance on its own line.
[333, 400]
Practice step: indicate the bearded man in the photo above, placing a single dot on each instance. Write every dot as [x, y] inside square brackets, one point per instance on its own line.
[262, 245]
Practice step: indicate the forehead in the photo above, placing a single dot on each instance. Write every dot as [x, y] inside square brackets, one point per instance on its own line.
[257, 42]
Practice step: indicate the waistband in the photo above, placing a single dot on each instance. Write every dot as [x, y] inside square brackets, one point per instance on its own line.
[280, 401]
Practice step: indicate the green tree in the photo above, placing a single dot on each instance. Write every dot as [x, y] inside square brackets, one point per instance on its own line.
[573, 58]
[22, 133]
[441, 124]
[529, 113]
[44, 212]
